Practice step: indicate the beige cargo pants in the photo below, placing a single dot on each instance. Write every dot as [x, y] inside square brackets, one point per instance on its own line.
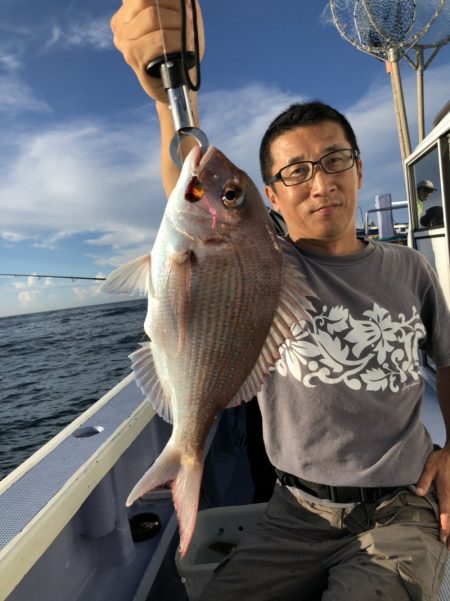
[304, 551]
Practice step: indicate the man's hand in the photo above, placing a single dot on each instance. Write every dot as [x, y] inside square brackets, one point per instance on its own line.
[437, 470]
[141, 37]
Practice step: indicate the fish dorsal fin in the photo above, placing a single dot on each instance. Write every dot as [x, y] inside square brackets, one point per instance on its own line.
[144, 370]
[131, 278]
[293, 306]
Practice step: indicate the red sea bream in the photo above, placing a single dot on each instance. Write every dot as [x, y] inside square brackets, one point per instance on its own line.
[222, 297]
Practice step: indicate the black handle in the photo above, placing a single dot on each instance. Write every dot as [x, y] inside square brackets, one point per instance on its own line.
[170, 69]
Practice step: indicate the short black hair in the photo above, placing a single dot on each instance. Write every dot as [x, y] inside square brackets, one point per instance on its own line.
[308, 113]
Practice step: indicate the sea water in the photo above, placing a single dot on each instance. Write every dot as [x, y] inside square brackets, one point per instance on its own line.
[54, 365]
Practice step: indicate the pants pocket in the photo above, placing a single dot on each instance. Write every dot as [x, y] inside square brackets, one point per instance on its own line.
[407, 507]
[410, 582]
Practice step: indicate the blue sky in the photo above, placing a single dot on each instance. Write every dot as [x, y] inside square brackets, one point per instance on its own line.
[80, 190]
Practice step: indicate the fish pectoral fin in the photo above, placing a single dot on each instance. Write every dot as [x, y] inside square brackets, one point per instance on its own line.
[293, 307]
[144, 370]
[131, 278]
[259, 373]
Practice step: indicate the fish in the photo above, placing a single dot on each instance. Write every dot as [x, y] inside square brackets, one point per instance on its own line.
[222, 298]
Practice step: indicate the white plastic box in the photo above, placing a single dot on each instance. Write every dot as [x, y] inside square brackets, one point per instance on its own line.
[221, 527]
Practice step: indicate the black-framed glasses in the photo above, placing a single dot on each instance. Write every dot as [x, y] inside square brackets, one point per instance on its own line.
[302, 171]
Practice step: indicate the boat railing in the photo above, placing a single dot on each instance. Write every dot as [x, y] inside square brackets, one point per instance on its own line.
[403, 204]
[41, 496]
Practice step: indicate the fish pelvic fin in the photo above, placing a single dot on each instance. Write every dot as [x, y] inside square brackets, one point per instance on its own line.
[293, 307]
[163, 470]
[186, 473]
[144, 370]
[131, 278]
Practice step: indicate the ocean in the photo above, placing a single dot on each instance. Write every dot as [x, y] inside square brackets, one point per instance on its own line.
[54, 365]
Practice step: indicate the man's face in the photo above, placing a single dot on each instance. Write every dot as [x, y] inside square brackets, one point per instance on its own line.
[424, 193]
[321, 211]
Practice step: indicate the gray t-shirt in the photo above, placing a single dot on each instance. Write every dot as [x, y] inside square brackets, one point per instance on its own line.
[343, 406]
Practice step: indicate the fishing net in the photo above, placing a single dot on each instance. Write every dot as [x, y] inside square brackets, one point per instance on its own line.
[376, 26]
[391, 30]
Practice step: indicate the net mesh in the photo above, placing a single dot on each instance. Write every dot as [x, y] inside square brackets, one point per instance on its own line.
[375, 26]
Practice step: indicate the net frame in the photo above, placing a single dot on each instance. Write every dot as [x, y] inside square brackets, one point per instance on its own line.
[374, 25]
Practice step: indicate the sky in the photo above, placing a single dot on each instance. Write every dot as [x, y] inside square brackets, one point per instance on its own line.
[80, 189]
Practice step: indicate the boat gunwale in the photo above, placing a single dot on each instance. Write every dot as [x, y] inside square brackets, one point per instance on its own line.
[23, 550]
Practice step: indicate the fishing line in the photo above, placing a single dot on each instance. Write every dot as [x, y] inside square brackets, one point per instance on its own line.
[184, 60]
[173, 68]
[158, 13]
[184, 51]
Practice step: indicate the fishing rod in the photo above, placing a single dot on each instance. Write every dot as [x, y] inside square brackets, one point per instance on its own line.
[39, 276]
[173, 70]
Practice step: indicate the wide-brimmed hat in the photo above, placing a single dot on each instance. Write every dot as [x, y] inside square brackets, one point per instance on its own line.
[426, 183]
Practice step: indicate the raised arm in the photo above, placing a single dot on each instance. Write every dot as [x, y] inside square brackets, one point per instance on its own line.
[138, 36]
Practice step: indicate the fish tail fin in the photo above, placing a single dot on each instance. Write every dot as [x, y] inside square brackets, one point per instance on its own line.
[186, 493]
[163, 470]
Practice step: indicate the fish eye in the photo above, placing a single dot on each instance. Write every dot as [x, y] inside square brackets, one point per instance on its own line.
[232, 195]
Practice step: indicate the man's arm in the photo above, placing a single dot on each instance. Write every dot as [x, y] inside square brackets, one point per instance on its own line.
[138, 36]
[437, 467]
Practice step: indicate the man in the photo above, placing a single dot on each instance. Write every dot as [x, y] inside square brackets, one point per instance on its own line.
[355, 514]
[429, 217]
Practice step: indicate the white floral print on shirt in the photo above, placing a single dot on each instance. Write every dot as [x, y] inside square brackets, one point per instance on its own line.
[374, 353]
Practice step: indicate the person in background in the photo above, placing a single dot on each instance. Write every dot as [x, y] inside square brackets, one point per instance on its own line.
[429, 217]
[361, 509]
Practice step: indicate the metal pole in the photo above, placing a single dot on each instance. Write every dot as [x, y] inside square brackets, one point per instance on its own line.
[397, 115]
[420, 94]
[399, 101]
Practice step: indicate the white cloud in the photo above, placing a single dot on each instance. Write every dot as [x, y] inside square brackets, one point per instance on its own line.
[29, 297]
[30, 282]
[10, 59]
[12, 236]
[17, 97]
[82, 32]
[13, 45]
[86, 293]
[82, 177]
[66, 30]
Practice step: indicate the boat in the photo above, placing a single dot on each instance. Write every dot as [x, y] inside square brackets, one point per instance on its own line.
[65, 532]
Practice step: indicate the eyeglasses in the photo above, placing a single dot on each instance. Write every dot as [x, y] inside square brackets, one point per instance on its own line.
[298, 173]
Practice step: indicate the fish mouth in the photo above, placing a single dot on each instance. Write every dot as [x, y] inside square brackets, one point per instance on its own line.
[196, 156]
[201, 159]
